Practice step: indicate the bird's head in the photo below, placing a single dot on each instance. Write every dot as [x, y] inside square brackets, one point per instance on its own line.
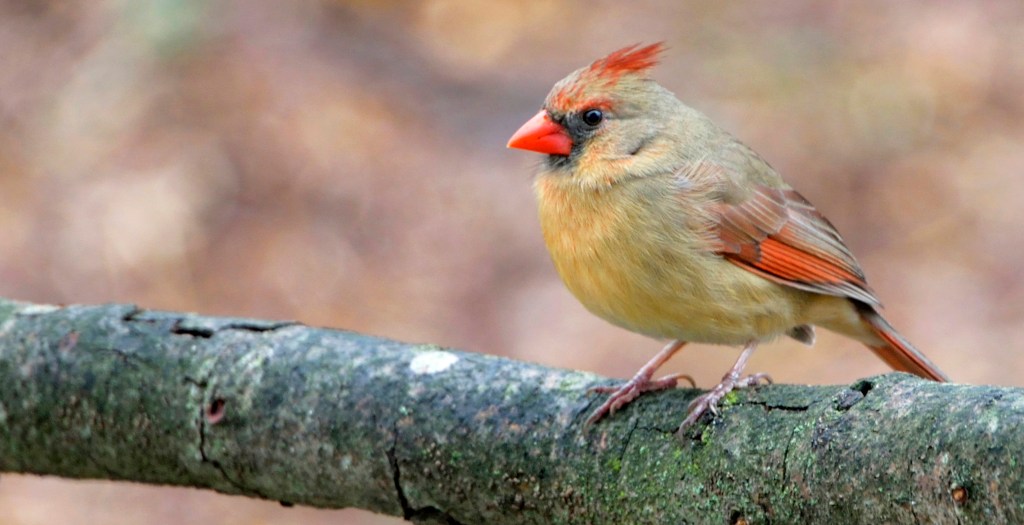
[602, 115]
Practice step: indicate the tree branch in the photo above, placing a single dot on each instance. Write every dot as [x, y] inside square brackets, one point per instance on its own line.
[337, 419]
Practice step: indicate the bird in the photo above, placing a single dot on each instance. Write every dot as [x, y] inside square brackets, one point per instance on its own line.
[661, 222]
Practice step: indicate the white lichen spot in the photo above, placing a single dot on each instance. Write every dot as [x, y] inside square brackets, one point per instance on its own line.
[6, 327]
[315, 353]
[37, 309]
[530, 374]
[993, 425]
[432, 362]
[346, 462]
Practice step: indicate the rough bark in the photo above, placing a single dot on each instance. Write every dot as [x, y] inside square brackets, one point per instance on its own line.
[336, 419]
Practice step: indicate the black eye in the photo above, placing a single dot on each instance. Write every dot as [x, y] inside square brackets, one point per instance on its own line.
[592, 117]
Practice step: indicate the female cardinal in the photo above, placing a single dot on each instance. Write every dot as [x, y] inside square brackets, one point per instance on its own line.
[664, 224]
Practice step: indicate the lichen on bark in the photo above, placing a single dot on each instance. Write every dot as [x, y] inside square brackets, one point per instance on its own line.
[337, 419]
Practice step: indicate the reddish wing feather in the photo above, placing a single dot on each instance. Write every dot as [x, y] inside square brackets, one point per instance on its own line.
[778, 234]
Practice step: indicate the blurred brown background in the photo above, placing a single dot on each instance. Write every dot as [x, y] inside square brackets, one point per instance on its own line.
[343, 164]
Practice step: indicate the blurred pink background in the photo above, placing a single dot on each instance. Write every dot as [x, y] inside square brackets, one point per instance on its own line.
[344, 164]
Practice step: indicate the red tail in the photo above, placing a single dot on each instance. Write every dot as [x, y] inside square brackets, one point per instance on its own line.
[898, 352]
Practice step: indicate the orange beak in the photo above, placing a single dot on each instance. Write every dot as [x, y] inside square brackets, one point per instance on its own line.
[543, 135]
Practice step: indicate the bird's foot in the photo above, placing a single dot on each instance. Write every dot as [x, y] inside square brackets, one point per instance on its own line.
[708, 401]
[623, 395]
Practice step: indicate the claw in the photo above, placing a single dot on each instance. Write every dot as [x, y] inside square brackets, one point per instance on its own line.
[708, 402]
[641, 382]
[625, 394]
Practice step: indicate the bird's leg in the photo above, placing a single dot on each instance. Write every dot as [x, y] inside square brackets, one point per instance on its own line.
[641, 382]
[730, 381]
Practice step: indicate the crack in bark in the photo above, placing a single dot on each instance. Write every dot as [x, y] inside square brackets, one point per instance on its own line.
[634, 423]
[182, 325]
[581, 415]
[863, 386]
[206, 332]
[194, 331]
[258, 327]
[428, 514]
[204, 457]
[132, 314]
[785, 453]
[217, 464]
[784, 408]
[659, 428]
[396, 476]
